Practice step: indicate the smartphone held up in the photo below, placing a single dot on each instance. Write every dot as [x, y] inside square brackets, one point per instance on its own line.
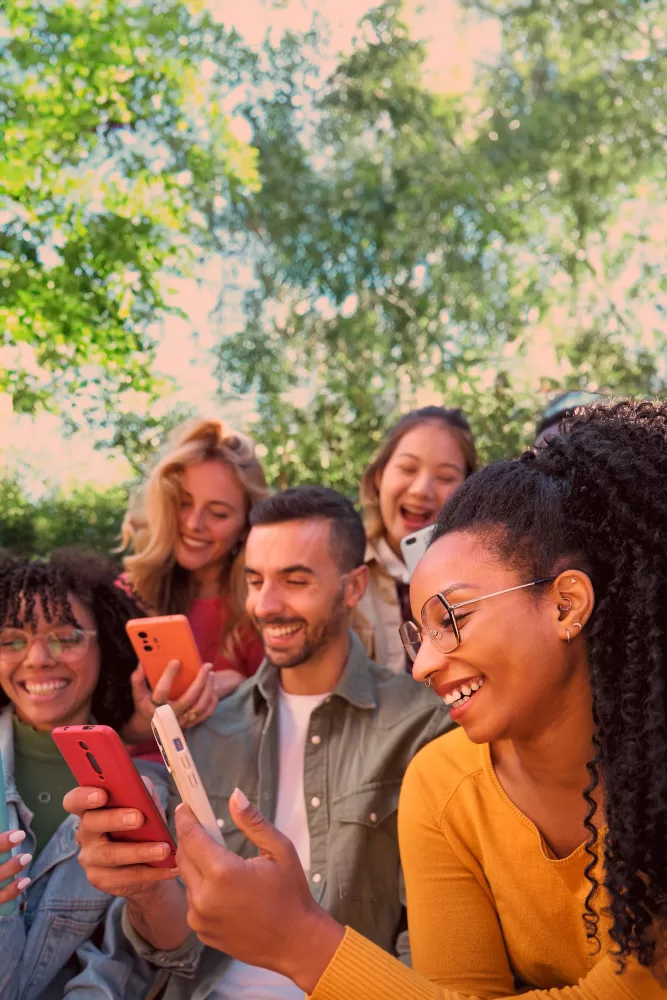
[159, 640]
[97, 758]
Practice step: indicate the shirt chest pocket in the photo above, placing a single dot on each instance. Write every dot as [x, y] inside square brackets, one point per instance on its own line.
[364, 842]
[234, 839]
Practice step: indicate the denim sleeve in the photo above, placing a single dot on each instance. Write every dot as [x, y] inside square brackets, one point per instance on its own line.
[182, 961]
[12, 943]
[112, 971]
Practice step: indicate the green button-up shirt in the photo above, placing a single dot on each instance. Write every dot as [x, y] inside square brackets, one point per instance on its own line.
[360, 741]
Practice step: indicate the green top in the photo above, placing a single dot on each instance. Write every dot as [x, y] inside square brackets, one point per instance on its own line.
[42, 780]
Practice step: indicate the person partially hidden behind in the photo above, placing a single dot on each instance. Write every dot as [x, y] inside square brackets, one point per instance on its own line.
[533, 838]
[320, 737]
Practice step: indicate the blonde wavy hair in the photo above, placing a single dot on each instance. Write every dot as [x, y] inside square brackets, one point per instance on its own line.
[452, 419]
[151, 523]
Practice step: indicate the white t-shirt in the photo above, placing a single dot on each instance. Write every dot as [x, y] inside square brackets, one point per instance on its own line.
[247, 982]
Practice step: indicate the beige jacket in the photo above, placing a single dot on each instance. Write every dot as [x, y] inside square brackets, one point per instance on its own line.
[377, 618]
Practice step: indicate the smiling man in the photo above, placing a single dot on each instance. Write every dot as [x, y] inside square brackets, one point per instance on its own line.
[319, 738]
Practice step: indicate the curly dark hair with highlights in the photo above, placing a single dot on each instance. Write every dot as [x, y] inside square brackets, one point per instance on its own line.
[89, 578]
[595, 499]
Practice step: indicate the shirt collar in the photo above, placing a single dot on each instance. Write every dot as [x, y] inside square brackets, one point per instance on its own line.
[381, 552]
[355, 684]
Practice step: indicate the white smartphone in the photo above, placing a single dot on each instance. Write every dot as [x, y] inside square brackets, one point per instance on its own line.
[177, 757]
[414, 546]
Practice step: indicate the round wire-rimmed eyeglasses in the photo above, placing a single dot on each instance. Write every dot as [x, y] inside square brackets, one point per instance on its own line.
[440, 623]
[64, 643]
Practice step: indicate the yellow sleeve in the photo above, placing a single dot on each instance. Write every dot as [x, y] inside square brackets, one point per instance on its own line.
[455, 935]
[361, 971]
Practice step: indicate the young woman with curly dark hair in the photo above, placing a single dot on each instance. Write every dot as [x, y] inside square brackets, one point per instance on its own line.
[534, 837]
[64, 660]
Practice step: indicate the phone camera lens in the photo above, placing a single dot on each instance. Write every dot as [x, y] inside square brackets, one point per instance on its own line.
[143, 635]
[94, 764]
[149, 649]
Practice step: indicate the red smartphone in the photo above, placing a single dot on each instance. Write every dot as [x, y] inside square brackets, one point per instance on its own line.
[96, 756]
[157, 641]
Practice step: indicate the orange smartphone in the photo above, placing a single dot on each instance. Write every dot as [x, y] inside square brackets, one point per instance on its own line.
[158, 641]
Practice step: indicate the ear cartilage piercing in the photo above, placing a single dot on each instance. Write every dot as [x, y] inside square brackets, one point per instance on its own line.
[561, 607]
[577, 625]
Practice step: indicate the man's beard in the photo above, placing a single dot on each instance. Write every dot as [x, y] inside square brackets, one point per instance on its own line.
[315, 637]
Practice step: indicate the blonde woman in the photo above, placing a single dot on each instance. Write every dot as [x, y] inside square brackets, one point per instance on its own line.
[422, 460]
[186, 530]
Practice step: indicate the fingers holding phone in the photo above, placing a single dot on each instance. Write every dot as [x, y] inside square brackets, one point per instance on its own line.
[12, 871]
[120, 869]
[199, 701]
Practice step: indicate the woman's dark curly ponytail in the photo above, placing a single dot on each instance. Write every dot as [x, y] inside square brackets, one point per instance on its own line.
[595, 499]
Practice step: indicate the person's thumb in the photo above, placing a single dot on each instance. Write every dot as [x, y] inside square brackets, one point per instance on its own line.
[259, 830]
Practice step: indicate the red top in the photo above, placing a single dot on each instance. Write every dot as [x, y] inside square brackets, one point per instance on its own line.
[207, 618]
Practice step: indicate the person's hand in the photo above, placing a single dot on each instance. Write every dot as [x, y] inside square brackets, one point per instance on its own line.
[259, 910]
[14, 867]
[225, 682]
[119, 869]
[193, 707]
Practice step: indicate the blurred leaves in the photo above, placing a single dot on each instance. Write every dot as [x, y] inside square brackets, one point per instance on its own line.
[86, 517]
[115, 152]
[481, 250]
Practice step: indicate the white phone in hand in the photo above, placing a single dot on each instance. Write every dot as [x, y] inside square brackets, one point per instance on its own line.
[177, 757]
[414, 546]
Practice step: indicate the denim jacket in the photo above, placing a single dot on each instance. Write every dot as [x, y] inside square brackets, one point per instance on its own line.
[61, 916]
[360, 741]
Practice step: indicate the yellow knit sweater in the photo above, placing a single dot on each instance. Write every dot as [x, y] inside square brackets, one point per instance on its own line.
[491, 914]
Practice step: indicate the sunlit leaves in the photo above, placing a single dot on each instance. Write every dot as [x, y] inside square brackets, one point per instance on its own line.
[104, 111]
[417, 248]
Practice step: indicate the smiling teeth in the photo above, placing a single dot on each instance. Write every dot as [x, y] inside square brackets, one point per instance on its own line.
[194, 544]
[277, 631]
[44, 688]
[459, 696]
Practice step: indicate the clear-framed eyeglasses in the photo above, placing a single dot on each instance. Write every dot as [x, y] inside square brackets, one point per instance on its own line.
[441, 623]
[63, 642]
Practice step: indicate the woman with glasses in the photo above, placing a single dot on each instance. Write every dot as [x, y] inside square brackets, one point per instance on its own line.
[534, 837]
[64, 660]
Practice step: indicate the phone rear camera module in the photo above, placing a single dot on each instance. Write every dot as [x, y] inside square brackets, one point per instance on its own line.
[149, 649]
[143, 635]
[93, 763]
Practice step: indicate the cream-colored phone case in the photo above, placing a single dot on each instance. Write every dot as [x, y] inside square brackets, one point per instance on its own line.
[181, 766]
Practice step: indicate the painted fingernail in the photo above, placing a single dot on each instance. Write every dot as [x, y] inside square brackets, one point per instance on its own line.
[17, 837]
[240, 800]
[158, 851]
[23, 884]
[25, 859]
[130, 818]
[95, 798]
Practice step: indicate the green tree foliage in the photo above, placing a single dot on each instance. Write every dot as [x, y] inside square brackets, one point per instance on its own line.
[86, 517]
[116, 159]
[482, 250]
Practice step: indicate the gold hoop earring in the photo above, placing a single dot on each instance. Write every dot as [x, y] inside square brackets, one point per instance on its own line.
[577, 625]
[569, 605]
[567, 633]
